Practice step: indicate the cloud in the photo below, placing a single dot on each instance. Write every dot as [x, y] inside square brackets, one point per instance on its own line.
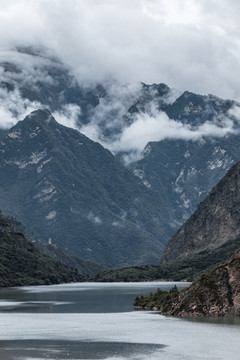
[14, 108]
[68, 115]
[107, 118]
[157, 126]
[192, 44]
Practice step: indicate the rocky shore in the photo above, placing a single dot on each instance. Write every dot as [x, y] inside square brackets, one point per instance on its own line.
[216, 293]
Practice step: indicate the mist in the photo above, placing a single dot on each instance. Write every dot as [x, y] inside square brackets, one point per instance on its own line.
[193, 45]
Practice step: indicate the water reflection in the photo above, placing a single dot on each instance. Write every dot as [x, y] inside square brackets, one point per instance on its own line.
[78, 298]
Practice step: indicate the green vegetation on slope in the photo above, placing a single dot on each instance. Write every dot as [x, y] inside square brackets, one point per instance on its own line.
[21, 263]
[188, 269]
[161, 300]
[215, 293]
[84, 267]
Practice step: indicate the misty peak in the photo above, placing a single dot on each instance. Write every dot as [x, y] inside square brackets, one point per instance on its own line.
[37, 121]
[40, 115]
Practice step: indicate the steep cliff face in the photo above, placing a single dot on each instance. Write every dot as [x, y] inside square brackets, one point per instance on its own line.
[216, 293]
[215, 222]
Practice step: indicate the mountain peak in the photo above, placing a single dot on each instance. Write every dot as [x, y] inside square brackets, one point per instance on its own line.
[40, 115]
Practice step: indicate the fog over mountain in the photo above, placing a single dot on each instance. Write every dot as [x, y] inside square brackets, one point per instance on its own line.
[108, 48]
[122, 117]
[193, 45]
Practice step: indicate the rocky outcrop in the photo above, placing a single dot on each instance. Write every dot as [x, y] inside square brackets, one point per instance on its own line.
[215, 222]
[216, 293]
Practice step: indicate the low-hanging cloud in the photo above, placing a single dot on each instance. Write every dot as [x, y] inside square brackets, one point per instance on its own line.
[68, 115]
[155, 125]
[192, 44]
[14, 108]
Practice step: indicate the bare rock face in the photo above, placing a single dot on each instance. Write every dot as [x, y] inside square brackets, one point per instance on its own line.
[215, 222]
[216, 293]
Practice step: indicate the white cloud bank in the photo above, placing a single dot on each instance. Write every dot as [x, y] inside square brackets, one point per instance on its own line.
[188, 44]
[157, 126]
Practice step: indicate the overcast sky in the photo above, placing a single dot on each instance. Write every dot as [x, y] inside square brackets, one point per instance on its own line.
[188, 44]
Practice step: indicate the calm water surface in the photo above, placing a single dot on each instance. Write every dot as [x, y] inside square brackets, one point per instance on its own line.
[97, 321]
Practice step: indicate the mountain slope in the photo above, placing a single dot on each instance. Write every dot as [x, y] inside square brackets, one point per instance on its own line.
[84, 267]
[21, 263]
[64, 186]
[214, 223]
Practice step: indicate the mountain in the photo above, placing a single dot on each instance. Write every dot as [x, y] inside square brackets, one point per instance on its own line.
[63, 186]
[182, 169]
[214, 223]
[21, 263]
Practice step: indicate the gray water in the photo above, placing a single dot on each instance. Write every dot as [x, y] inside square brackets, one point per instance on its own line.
[97, 321]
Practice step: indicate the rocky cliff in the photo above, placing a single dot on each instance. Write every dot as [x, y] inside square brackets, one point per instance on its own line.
[216, 293]
[215, 222]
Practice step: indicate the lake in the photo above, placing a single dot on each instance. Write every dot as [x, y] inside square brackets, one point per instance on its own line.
[97, 321]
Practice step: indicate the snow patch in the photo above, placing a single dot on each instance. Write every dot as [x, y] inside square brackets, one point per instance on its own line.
[94, 219]
[47, 192]
[187, 154]
[147, 150]
[51, 215]
[212, 165]
[35, 132]
[33, 159]
[140, 174]
[217, 150]
[15, 134]
[177, 188]
[186, 110]
[40, 167]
